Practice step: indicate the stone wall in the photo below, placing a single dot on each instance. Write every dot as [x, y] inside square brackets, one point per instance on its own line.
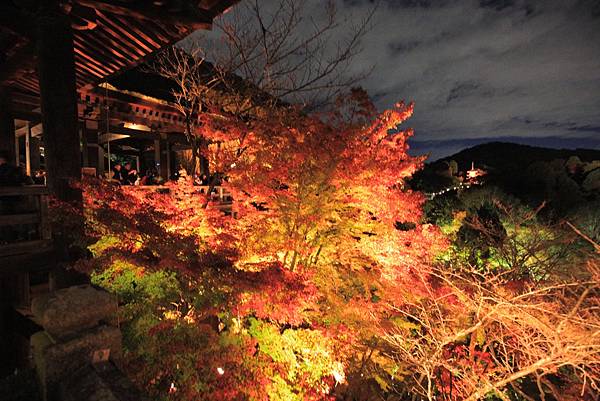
[79, 345]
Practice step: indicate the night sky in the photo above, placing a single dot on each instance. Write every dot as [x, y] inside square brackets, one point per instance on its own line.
[526, 71]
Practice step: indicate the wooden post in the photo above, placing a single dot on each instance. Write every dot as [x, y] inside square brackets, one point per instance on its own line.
[93, 156]
[27, 150]
[168, 148]
[100, 160]
[34, 150]
[45, 229]
[157, 156]
[17, 150]
[164, 163]
[84, 145]
[7, 125]
[23, 290]
[56, 73]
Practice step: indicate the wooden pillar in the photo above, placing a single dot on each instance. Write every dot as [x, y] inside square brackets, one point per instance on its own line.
[84, 145]
[168, 148]
[96, 151]
[27, 150]
[34, 150]
[17, 150]
[7, 125]
[164, 162]
[157, 156]
[100, 161]
[56, 73]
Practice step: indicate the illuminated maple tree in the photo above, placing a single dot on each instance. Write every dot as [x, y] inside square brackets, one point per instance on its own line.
[321, 284]
[322, 232]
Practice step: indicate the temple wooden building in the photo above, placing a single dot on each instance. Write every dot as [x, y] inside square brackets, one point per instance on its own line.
[53, 56]
[66, 73]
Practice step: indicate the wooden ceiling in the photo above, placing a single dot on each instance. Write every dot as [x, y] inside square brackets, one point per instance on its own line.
[109, 35]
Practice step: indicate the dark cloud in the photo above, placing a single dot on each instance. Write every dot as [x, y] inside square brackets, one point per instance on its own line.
[498, 5]
[403, 47]
[586, 128]
[489, 68]
[484, 68]
[463, 90]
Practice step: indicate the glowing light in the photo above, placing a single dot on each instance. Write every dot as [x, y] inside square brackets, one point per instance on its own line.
[172, 388]
[221, 371]
[139, 127]
[338, 374]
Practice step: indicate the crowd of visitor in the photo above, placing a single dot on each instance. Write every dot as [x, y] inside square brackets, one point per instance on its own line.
[125, 174]
[11, 175]
[121, 173]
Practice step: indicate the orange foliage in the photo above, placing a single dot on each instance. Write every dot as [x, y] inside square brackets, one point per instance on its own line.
[323, 237]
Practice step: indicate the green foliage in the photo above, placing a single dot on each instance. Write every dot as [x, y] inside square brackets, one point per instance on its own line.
[587, 219]
[133, 284]
[549, 181]
[476, 197]
[106, 242]
[453, 166]
[592, 181]
[306, 354]
[481, 230]
[440, 210]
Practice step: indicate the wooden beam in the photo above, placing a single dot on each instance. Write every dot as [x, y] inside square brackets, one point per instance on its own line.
[216, 7]
[24, 191]
[22, 247]
[9, 265]
[113, 129]
[19, 64]
[18, 219]
[118, 30]
[190, 15]
[32, 116]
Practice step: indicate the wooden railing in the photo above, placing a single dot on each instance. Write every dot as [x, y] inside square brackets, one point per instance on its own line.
[219, 194]
[24, 224]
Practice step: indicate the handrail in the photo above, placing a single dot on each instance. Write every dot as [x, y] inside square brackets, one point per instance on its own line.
[36, 215]
[220, 190]
[24, 190]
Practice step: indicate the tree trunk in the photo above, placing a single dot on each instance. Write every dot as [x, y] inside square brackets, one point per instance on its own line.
[193, 141]
[194, 159]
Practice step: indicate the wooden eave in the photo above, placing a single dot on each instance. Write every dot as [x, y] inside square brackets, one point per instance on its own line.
[128, 107]
[121, 36]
